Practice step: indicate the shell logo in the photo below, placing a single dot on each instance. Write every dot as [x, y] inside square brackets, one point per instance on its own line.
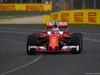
[53, 39]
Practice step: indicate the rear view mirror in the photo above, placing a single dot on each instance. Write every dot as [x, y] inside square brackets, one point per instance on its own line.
[66, 31]
[43, 31]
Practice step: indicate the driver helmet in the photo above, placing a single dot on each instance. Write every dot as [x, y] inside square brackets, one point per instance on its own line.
[55, 31]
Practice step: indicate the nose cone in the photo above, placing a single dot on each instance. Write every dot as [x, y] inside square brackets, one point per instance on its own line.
[53, 41]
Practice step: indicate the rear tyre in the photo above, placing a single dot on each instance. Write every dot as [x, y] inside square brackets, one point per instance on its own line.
[76, 40]
[31, 41]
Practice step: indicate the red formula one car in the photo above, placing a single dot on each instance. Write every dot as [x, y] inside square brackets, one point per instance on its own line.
[55, 40]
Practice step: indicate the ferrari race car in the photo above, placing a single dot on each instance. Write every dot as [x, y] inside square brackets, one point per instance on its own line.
[55, 40]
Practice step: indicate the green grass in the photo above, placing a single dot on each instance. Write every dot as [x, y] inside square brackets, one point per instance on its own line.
[84, 25]
[11, 17]
[70, 25]
[22, 24]
[12, 14]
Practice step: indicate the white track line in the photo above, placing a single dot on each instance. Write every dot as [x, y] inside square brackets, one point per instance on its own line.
[13, 41]
[18, 29]
[35, 30]
[85, 32]
[93, 40]
[20, 67]
[16, 32]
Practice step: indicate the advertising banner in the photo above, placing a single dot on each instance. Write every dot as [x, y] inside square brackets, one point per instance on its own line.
[34, 7]
[64, 17]
[25, 7]
[77, 16]
[7, 7]
[55, 16]
[92, 17]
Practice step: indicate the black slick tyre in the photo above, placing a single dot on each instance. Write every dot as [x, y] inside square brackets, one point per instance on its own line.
[31, 41]
[81, 38]
[76, 41]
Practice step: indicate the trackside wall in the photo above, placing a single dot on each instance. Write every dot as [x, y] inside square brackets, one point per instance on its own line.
[77, 16]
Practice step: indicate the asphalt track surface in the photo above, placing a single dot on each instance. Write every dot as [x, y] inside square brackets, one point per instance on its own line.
[15, 61]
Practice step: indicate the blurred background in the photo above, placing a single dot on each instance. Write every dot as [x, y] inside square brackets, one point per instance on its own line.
[75, 4]
[17, 8]
[58, 5]
[22, 1]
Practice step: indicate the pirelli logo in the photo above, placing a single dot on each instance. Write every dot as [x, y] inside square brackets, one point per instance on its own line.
[34, 7]
[7, 7]
[78, 17]
[65, 17]
[55, 17]
[92, 17]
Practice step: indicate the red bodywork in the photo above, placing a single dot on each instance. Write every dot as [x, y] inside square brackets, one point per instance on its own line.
[52, 45]
[53, 42]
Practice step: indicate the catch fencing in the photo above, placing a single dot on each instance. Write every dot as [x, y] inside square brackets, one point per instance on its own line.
[59, 5]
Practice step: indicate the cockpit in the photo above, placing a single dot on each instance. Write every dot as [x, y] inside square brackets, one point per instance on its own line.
[55, 29]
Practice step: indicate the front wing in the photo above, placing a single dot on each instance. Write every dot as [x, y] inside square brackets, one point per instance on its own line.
[43, 49]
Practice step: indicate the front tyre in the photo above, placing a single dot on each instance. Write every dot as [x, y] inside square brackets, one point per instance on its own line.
[31, 41]
[81, 38]
[76, 41]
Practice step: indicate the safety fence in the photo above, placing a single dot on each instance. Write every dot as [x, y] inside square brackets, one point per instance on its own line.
[60, 5]
[25, 7]
[74, 16]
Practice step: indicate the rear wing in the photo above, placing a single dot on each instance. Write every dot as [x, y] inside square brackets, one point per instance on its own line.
[60, 24]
